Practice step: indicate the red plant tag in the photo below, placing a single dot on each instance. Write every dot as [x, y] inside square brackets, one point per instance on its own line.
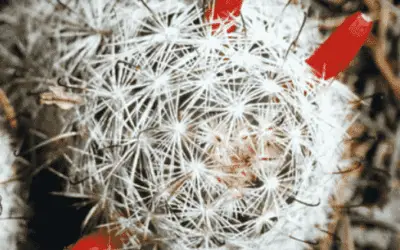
[224, 10]
[336, 53]
[99, 240]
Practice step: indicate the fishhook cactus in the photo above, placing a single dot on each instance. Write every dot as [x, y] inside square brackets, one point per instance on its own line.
[202, 128]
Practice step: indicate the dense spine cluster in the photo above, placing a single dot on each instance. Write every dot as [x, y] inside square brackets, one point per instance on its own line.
[193, 137]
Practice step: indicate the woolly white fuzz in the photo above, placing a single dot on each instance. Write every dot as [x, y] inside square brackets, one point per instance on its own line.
[12, 202]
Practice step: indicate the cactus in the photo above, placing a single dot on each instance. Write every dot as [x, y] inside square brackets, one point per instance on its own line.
[14, 211]
[193, 133]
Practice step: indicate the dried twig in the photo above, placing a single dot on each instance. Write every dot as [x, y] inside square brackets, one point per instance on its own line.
[8, 110]
[346, 234]
[378, 53]
[331, 23]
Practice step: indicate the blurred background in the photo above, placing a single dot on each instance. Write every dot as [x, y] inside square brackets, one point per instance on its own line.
[370, 218]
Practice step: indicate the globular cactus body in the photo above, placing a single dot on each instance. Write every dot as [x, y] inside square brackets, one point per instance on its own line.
[199, 136]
